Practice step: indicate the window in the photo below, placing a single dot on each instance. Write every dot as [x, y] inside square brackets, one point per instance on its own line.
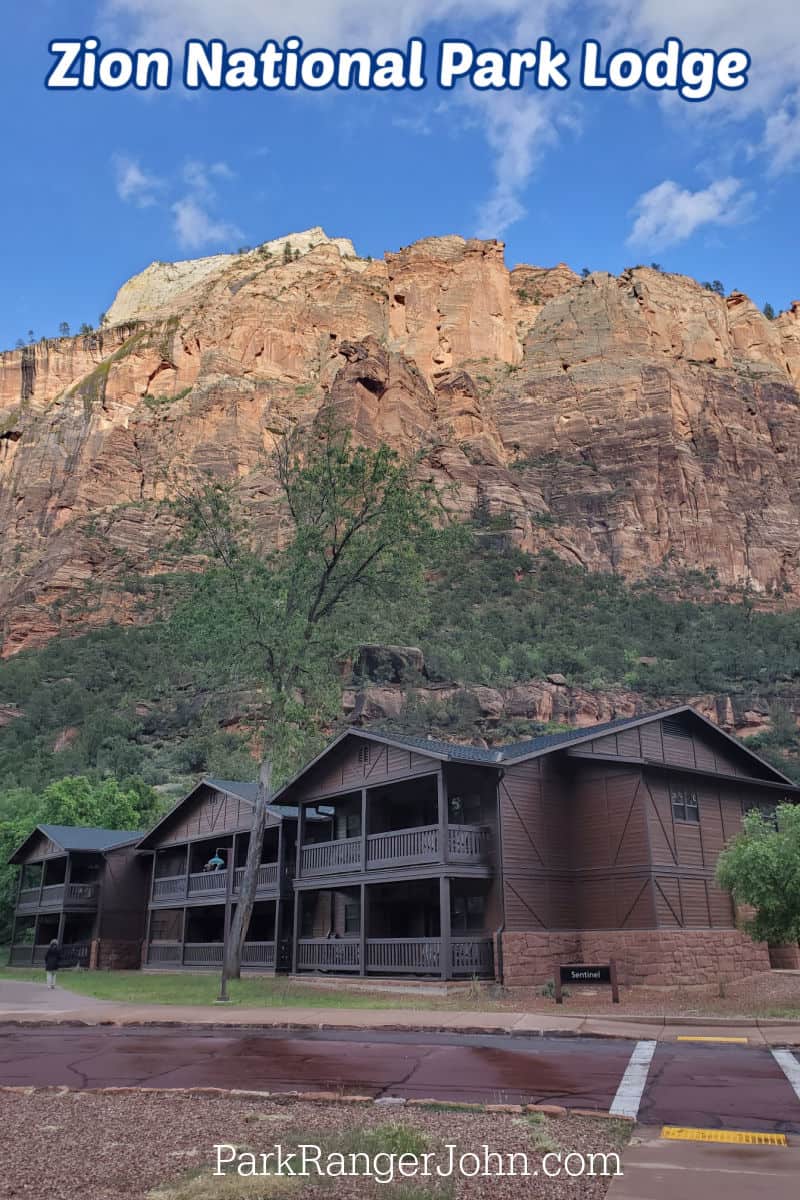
[685, 805]
[467, 913]
[352, 916]
[307, 922]
[352, 825]
[767, 808]
[363, 753]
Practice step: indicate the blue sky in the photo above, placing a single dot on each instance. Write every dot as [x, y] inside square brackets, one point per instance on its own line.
[98, 184]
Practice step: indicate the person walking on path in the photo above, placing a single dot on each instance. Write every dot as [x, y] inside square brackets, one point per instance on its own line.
[52, 961]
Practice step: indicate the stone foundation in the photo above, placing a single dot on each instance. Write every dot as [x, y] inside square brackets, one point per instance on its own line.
[785, 958]
[644, 957]
[113, 955]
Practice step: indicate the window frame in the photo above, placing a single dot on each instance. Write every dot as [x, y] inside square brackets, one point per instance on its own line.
[685, 803]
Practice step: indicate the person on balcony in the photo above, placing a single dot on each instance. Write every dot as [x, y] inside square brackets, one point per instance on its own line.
[215, 863]
[52, 961]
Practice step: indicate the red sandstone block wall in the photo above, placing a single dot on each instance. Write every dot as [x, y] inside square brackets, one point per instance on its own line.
[652, 958]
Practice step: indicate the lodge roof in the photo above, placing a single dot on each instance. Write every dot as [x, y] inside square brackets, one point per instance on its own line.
[546, 743]
[76, 838]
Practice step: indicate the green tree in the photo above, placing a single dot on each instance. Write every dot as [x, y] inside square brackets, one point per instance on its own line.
[288, 255]
[63, 329]
[761, 868]
[73, 801]
[351, 569]
[769, 311]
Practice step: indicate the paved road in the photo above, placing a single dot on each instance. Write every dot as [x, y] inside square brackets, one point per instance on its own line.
[719, 1086]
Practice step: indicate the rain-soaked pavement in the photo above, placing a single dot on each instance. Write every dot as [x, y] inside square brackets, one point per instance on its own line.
[711, 1086]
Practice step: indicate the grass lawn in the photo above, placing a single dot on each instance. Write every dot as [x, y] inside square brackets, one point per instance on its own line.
[136, 987]
[774, 994]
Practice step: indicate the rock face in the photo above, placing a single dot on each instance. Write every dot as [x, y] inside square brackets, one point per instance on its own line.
[620, 422]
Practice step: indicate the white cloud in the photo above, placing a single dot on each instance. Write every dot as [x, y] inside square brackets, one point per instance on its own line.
[518, 129]
[669, 213]
[193, 220]
[196, 229]
[518, 133]
[200, 176]
[134, 184]
[781, 141]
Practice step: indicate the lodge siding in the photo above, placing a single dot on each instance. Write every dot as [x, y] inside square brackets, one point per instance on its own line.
[124, 887]
[342, 769]
[692, 749]
[210, 812]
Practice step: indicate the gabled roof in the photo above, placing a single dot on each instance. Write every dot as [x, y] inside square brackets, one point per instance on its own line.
[80, 838]
[243, 789]
[516, 752]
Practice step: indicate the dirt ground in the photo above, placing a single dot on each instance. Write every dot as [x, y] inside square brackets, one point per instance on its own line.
[773, 994]
[64, 1145]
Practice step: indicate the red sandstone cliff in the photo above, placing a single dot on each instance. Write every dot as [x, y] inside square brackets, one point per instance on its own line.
[621, 421]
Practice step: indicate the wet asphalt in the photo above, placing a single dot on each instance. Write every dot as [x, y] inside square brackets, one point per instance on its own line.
[712, 1086]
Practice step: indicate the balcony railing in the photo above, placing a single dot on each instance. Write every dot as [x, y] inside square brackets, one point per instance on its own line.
[73, 954]
[329, 858]
[28, 898]
[207, 954]
[328, 954]
[211, 884]
[56, 895]
[266, 877]
[466, 844]
[419, 845]
[396, 956]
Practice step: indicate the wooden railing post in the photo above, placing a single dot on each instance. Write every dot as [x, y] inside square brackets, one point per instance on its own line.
[444, 928]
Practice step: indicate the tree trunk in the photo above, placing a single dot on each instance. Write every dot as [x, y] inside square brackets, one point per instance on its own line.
[232, 962]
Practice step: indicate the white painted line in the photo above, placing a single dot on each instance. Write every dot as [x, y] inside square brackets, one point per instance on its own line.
[632, 1085]
[790, 1067]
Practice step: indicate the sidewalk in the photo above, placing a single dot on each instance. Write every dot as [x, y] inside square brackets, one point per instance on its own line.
[658, 1169]
[32, 1003]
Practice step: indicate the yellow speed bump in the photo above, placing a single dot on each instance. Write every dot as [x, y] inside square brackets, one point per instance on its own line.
[740, 1041]
[736, 1137]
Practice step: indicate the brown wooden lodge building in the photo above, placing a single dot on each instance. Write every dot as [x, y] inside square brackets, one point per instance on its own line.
[390, 855]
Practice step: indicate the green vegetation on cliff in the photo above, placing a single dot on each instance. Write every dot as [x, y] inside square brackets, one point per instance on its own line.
[173, 699]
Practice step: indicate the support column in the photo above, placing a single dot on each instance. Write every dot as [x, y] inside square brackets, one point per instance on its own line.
[295, 926]
[35, 937]
[61, 920]
[441, 799]
[226, 924]
[363, 932]
[363, 830]
[183, 936]
[277, 930]
[301, 829]
[444, 927]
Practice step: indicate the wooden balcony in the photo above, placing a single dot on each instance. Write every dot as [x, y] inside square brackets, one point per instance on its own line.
[466, 845]
[73, 954]
[211, 885]
[396, 956]
[82, 896]
[207, 954]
